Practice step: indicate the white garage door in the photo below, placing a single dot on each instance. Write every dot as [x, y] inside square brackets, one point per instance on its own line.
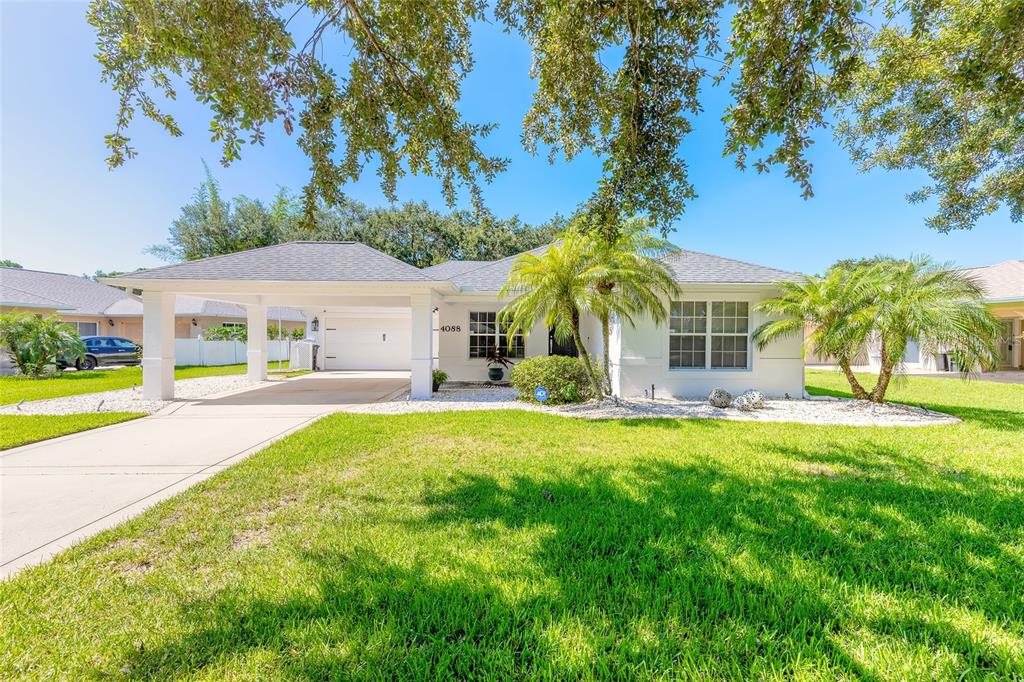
[367, 343]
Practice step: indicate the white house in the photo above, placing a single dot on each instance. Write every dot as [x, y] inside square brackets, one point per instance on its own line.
[368, 310]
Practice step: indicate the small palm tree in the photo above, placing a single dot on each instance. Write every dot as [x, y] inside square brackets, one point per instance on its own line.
[35, 343]
[835, 307]
[629, 279]
[887, 301]
[940, 307]
[555, 286]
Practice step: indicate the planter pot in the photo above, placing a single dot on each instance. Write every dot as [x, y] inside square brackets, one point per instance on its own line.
[495, 373]
[437, 387]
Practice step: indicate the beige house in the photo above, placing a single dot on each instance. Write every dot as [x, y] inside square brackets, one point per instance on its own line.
[100, 310]
[1004, 294]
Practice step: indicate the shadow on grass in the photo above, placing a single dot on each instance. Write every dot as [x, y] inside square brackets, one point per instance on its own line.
[662, 570]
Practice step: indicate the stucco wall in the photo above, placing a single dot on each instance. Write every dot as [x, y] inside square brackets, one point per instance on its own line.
[452, 339]
[640, 358]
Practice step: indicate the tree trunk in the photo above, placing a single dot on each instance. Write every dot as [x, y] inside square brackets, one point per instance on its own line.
[585, 356]
[605, 335]
[858, 391]
[882, 385]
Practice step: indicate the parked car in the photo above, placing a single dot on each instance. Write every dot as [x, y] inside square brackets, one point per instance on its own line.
[105, 350]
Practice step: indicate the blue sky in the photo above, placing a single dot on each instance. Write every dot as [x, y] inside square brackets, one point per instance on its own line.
[62, 210]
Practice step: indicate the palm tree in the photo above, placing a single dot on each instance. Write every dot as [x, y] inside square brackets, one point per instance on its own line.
[35, 343]
[886, 301]
[555, 286]
[835, 307]
[940, 307]
[629, 279]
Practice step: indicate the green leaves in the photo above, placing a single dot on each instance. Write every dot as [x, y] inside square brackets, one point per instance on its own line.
[918, 84]
[35, 343]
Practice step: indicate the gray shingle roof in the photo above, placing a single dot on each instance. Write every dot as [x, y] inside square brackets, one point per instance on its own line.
[489, 275]
[74, 295]
[14, 297]
[450, 268]
[294, 261]
[693, 267]
[80, 296]
[1002, 281]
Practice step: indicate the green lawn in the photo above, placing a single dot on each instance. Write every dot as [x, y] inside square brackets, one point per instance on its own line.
[16, 389]
[506, 545]
[19, 429]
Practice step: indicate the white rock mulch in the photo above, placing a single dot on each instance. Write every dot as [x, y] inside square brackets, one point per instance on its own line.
[817, 411]
[128, 399]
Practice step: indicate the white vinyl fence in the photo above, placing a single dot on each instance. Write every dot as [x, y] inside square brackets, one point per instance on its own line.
[210, 353]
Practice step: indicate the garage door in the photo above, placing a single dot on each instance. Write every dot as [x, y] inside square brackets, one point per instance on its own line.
[367, 343]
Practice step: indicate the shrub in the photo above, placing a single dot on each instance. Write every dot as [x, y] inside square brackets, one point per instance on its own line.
[35, 343]
[226, 334]
[298, 334]
[439, 377]
[565, 378]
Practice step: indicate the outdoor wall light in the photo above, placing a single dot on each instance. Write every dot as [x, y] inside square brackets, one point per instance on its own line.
[110, 322]
[315, 324]
[194, 323]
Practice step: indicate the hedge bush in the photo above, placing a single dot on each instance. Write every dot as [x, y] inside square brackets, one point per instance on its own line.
[565, 378]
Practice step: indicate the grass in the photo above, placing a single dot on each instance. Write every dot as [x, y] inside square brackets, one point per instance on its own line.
[506, 545]
[19, 429]
[14, 389]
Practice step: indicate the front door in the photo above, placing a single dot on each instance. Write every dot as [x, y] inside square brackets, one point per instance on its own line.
[1006, 344]
[556, 347]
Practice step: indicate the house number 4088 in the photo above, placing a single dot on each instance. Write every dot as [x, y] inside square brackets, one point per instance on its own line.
[451, 328]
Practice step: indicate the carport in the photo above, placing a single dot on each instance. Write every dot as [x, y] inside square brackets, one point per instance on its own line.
[369, 308]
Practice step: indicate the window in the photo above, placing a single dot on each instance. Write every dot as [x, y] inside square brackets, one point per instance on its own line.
[729, 334]
[721, 344]
[687, 344]
[87, 328]
[484, 332]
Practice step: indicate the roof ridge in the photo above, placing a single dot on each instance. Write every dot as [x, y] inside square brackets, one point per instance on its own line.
[487, 264]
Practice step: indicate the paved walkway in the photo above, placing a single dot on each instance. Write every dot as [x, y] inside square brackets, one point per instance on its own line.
[58, 492]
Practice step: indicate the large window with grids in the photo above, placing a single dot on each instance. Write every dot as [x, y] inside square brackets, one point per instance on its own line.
[721, 342]
[87, 328]
[485, 331]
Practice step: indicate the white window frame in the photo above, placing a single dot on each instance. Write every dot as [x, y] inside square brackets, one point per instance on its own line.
[710, 302]
[95, 328]
[496, 336]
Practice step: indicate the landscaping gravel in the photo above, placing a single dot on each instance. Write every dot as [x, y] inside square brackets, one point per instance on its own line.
[128, 399]
[814, 411]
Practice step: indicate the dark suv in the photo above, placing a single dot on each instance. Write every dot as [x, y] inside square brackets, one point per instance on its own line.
[106, 350]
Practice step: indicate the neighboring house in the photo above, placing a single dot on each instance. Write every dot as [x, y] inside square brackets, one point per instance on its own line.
[13, 299]
[368, 310]
[1004, 295]
[97, 309]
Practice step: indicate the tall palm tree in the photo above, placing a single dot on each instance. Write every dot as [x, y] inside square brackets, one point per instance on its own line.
[629, 279]
[555, 286]
[837, 310]
[940, 307]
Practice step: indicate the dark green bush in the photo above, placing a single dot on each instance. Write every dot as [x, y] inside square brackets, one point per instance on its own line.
[565, 378]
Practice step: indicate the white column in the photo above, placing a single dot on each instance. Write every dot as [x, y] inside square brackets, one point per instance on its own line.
[256, 349]
[422, 361]
[157, 345]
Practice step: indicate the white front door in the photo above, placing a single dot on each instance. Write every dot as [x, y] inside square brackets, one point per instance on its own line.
[367, 343]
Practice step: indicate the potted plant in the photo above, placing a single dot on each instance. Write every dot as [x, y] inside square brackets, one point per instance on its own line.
[439, 378]
[497, 364]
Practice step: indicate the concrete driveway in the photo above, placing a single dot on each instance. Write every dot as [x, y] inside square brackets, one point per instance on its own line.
[60, 491]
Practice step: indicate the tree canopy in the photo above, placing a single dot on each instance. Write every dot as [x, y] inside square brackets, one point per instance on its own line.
[210, 225]
[935, 86]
